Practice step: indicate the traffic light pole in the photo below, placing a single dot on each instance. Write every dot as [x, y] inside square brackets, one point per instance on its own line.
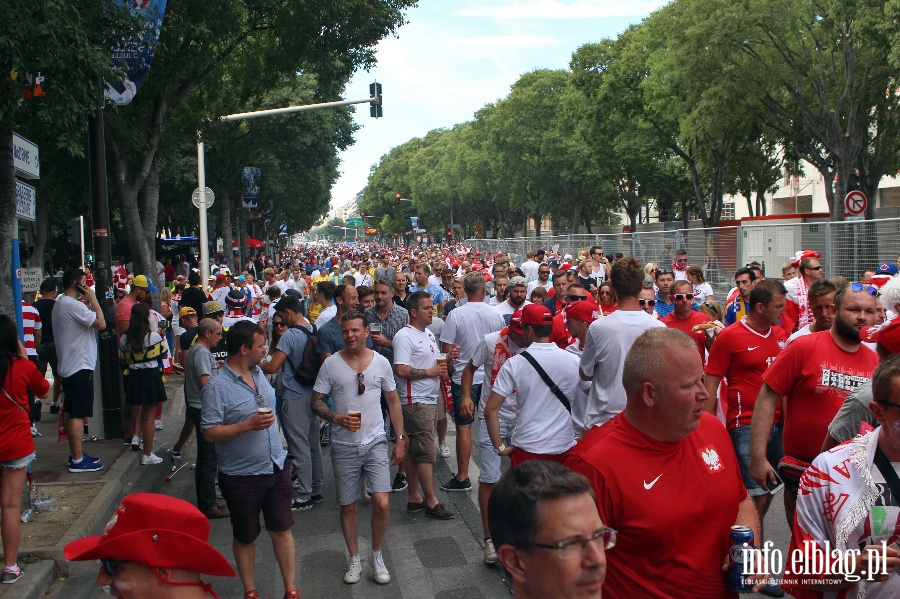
[375, 100]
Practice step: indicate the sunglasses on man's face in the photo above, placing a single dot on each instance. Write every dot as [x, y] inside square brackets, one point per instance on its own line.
[576, 298]
[650, 303]
[683, 296]
[111, 566]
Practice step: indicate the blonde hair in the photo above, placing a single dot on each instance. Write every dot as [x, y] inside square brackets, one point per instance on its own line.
[712, 308]
[650, 266]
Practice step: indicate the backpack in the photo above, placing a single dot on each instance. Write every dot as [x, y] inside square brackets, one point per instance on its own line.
[306, 372]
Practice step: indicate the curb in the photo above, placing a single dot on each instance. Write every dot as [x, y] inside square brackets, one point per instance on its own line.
[38, 578]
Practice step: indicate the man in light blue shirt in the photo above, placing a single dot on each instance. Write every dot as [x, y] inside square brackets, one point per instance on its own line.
[423, 271]
[237, 414]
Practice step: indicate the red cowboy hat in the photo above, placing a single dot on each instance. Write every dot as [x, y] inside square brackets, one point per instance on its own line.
[157, 531]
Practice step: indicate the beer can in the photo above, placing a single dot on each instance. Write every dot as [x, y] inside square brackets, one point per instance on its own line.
[741, 538]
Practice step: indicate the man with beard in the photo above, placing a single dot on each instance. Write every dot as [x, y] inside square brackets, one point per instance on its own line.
[813, 375]
[516, 294]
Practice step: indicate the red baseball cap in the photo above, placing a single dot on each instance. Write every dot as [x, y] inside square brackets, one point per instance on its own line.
[155, 530]
[536, 314]
[515, 321]
[887, 335]
[586, 310]
[803, 255]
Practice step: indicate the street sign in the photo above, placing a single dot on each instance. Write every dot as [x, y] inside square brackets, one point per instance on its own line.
[210, 198]
[25, 158]
[31, 279]
[26, 201]
[354, 222]
[856, 202]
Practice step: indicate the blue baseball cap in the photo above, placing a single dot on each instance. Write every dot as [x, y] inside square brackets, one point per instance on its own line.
[888, 269]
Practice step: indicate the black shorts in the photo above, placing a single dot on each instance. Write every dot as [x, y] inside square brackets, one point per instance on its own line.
[47, 356]
[247, 496]
[78, 401]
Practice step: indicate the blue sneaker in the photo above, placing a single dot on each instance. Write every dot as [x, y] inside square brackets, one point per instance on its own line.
[84, 466]
[86, 457]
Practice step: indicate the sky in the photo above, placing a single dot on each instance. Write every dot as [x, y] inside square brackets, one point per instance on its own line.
[454, 56]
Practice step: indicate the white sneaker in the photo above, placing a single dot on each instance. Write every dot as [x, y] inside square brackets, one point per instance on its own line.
[445, 450]
[354, 571]
[34, 431]
[149, 460]
[376, 560]
[490, 553]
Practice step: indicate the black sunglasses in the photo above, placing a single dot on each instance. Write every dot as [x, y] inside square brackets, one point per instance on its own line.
[361, 383]
[111, 566]
[683, 296]
[664, 271]
[576, 298]
[650, 303]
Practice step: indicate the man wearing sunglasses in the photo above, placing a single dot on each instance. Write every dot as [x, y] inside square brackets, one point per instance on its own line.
[574, 293]
[664, 278]
[549, 536]
[543, 280]
[599, 265]
[356, 377]
[154, 546]
[647, 300]
[685, 318]
[864, 516]
[812, 376]
[809, 270]
[680, 265]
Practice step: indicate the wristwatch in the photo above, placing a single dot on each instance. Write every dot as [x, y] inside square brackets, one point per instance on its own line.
[401, 437]
[500, 450]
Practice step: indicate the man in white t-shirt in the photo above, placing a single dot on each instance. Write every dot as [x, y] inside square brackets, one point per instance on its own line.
[543, 421]
[492, 352]
[529, 267]
[608, 341]
[355, 377]
[419, 386]
[465, 328]
[543, 280]
[579, 315]
[517, 293]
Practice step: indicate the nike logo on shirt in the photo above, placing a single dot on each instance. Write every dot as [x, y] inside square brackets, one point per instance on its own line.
[649, 486]
[752, 348]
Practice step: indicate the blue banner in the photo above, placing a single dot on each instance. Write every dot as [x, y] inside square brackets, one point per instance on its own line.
[133, 56]
[415, 222]
[250, 187]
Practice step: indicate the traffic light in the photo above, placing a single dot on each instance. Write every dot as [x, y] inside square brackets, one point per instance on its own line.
[398, 196]
[362, 214]
[73, 230]
[375, 105]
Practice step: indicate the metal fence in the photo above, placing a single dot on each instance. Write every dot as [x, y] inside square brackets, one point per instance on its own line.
[848, 248]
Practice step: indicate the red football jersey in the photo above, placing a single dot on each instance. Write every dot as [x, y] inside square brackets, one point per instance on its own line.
[686, 325]
[741, 355]
[815, 376]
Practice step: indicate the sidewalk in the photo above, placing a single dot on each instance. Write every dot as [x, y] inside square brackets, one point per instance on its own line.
[86, 500]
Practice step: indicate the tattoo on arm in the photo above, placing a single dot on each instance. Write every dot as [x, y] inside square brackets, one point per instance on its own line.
[418, 373]
[320, 406]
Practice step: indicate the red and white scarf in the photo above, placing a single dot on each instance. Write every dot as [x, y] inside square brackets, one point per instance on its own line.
[501, 354]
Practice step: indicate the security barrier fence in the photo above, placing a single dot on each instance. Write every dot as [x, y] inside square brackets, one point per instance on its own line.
[848, 248]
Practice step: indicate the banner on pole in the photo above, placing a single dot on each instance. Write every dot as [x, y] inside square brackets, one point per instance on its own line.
[133, 56]
[250, 187]
[415, 221]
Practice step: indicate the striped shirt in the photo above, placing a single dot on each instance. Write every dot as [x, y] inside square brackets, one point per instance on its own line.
[31, 322]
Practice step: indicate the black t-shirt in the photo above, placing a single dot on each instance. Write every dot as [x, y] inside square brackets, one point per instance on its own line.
[187, 338]
[45, 309]
[219, 352]
[193, 297]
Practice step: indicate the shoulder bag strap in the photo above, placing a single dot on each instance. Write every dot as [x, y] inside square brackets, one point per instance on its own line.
[546, 378]
[887, 471]
[29, 416]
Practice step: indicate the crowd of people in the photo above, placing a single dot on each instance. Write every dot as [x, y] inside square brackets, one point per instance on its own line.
[641, 415]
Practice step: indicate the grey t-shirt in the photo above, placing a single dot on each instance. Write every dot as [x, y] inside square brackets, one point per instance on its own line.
[329, 339]
[293, 343]
[845, 425]
[385, 273]
[199, 361]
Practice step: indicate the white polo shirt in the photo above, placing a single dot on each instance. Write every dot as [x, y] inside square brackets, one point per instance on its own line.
[543, 425]
[416, 349]
[484, 356]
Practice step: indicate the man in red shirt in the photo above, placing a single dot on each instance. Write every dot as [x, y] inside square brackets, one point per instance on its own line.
[664, 443]
[685, 319]
[814, 375]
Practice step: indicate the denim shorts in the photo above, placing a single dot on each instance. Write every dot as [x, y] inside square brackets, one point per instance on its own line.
[489, 463]
[456, 391]
[20, 463]
[740, 438]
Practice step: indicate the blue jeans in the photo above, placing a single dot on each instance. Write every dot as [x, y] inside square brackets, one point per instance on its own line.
[456, 392]
[740, 438]
[489, 463]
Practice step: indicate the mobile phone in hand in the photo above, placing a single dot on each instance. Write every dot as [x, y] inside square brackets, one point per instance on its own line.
[777, 486]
